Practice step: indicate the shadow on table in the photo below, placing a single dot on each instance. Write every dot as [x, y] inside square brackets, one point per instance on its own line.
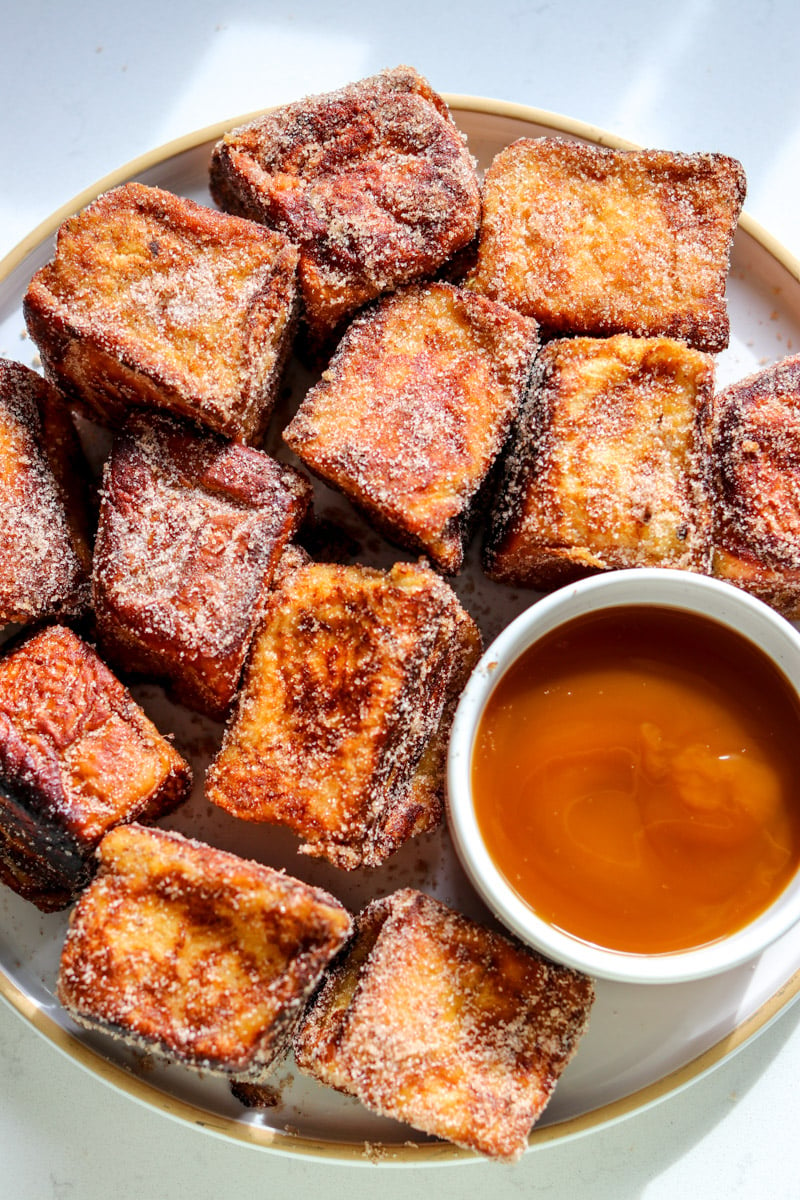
[618, 1162]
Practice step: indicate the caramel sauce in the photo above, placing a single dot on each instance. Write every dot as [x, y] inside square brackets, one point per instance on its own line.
[636, 777]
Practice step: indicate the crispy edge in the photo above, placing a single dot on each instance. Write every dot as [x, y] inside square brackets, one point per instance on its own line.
[444, 546]
[703, 326]
[45, 855]
[744, 555]
[103, 375]
[414, 801]
[546, 564]
[238, 474]
[240, 183]
[323, 1040]
[208, 870]
[53, 447]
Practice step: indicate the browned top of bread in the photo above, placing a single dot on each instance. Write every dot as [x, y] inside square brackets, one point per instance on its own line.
[45, 553]
[191, 530]
[432, 1019]
[413, 410]
[592, 240]
[74, 737]
[345, 688]
[756, 456]
[608, 466]
[372, 181]
[189, 951]
[154, 300]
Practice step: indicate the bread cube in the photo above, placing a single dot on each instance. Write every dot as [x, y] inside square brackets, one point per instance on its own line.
[597, 241]
[373, 182]
[45, 548]
[190, 533]
[608, 466]
[341, 725]
[414, 409]
[432, 1019]
[756, 456]
[195, 955]
[77, 757]
[153, 300]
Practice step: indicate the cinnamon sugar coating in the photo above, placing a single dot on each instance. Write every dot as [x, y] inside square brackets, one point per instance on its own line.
[341, 726]
[756, 455]
[414, 409]
[191, 530]
[373, 182]
[77, 757]
[608, 465]
[194, 954]
[597, 241]
[153, 300]
[434, 1020]
[44, 517]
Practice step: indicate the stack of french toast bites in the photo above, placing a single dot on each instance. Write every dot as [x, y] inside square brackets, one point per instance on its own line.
[532, 353]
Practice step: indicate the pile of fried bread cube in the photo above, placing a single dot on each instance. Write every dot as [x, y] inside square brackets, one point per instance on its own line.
[527, 359]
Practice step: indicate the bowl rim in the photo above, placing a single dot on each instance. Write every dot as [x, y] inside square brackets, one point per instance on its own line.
[658, 587]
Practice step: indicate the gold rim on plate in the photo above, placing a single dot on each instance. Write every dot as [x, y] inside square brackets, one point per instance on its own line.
[432, 1153]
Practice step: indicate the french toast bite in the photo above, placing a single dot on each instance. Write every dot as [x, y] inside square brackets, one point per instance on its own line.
[45, 543]
[414, 409]
[152, 300]
[190, 533]
[608, 464]
[341, 725]
[77, 757]
[597, 241]
[432, 1019]
[191, 953]
[373, 182]
[756, 457]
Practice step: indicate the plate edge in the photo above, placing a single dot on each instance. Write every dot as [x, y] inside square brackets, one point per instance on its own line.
[262, 1137]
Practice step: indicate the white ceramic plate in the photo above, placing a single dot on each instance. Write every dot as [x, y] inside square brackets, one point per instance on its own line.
[643, 1042]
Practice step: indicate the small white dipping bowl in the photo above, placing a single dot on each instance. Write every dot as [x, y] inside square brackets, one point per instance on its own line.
[697, 594]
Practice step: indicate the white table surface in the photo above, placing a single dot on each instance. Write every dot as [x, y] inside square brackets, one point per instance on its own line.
[86, 87]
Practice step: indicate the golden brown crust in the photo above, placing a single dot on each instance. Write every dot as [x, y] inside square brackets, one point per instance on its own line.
[340, 723]
[153, 300]
[191, 531]
[436, 1021]
[77, 757]
[414, 409]
[44, 516]
[608, 466]
[598, 241]
[373, 182]
[194, 954]
[756, 455]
